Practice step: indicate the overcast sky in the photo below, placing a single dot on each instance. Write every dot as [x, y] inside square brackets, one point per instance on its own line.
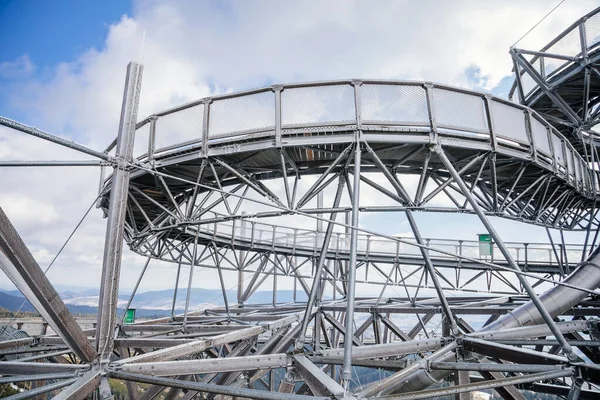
[62, 69]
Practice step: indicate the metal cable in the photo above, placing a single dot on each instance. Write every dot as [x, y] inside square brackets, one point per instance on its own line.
[53, 260]
[539, 22]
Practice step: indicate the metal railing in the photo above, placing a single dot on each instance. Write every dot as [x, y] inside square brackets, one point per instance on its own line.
[384, 107]
[257, 233]
[577, 41]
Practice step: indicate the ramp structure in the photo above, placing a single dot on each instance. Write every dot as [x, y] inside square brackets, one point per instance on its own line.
[294, 188]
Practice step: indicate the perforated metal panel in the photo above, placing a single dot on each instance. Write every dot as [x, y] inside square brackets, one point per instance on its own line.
[528, 83]
[459, 110]
[557, 146]
[577, 166]
[240, 114]
[540, 136]
[394, 104]
[317, 104]
[570, 165]
[509, 122]
[179, 127]
[140, 143]
[569, 45]
[592, 30]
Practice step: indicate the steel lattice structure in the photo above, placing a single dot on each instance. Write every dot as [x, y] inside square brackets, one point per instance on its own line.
[236, 183]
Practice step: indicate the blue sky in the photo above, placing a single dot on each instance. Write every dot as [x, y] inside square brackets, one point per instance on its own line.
[53, 32]
[49, 33]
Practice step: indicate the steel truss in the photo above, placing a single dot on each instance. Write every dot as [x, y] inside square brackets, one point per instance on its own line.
[211, 185]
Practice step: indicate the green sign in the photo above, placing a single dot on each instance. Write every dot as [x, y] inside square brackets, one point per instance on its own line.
[129, 316]
[485, 244]
[485, 237]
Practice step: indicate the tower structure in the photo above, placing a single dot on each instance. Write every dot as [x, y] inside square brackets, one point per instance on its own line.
[232, 185]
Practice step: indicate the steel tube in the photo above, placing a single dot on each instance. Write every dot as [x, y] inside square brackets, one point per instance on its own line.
[137, 284]
[210, 388]
[317, 275]
[30, 130]
[41, 390]
[113, 246]
[53, 163]
[432, 273]
[388, 384]
[82, 387]
[347, 368]
[204, 366]
[22, 269]
[433, 393]
[567, 349]
[465, 366]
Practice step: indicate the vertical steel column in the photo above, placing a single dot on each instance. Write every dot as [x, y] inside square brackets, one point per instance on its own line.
[319, 206]
[241, 260]
[113, 246]
[566, 347]
[347, 368]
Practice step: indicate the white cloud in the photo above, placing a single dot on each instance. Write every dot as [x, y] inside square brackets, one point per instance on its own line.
[194, 49]
[19, 68]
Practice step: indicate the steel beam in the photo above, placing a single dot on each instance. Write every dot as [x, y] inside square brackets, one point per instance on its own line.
[389, 384]
[113, 245]
[319, 382]
[567, 349]
[312, 298]
[30, 130]
[53, 163]
[433, 393]
[210, 388]
[205, 366]
[41, 390]
[22, 269]
[351, 285]
[82, 387]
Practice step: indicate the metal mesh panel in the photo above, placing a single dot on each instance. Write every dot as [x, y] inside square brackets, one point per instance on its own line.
[527, 83]
[317, 104]
[569, 45]
[459, 110]
[509, 122]
[394, 103]
[540, 136]
[245, 113]
[140, 143]
[592, 30]
[558, 150]
[570, 164]
[179, 127]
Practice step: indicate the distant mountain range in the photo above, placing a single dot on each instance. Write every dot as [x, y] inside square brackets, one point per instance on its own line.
[153, 303]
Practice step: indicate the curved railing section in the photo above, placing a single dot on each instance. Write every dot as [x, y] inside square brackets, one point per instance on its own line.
[385, 111]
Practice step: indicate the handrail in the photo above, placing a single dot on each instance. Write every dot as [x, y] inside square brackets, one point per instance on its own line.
[220, 121]
[584, 46]
[297, 238]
